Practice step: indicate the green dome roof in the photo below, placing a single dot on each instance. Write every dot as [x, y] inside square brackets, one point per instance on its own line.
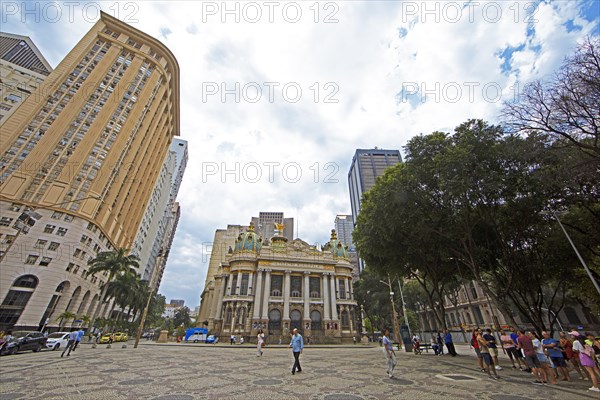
[248, 241]
[337, 248]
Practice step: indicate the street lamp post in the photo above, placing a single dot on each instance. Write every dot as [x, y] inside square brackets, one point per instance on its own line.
[577, 252]
[394, 316]
[151, 283]
[404, 308]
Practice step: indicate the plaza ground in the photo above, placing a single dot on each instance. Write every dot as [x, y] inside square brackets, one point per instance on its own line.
[188, 371]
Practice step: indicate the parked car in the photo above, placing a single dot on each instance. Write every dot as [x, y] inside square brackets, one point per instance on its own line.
[23, 340]
[106, 338]
[57, 340]
[121, 337]
[210, 339]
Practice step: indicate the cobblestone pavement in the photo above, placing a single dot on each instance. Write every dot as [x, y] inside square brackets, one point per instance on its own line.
[186, 372]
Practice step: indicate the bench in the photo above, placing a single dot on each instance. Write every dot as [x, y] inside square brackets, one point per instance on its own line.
[423, 346]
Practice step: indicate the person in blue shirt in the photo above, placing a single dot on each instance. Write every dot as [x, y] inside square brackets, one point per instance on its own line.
[80, 334]
[552, 346]
[297, 345]
[449, 343]
[70, 343]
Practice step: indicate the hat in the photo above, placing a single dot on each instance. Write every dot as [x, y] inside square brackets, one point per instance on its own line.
[574, 333]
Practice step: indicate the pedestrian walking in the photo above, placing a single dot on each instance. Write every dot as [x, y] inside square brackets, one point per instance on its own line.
[80, 334]
[440, 343]
[297, 345]
[586, 358]
[231, 339]
[390, 356]
[260, 343]
[449, 343]
[70, 343]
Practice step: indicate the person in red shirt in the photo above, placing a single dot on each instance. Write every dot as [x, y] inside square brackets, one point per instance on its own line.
[525, 343]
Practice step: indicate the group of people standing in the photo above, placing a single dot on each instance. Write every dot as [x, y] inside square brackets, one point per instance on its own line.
[545, 357]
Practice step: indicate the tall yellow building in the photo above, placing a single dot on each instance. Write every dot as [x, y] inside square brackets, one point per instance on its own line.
[79, 159]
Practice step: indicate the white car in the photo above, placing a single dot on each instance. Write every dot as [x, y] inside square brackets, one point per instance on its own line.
[57, 340]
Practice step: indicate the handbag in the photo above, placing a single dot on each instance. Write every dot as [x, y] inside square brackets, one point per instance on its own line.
[263, 344]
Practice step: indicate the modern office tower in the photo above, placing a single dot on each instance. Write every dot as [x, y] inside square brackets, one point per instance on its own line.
[266, 227]
[278, 286]
[366, 166]
[22, 69]
[149, 241]
[344, 225]
[79, 160]
[177, 303]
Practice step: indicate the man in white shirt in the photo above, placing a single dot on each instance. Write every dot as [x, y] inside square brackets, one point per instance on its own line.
[72, 339]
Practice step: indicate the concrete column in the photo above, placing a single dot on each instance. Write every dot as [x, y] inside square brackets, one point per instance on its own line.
[229, 282]
[215, 298]
[238, 284]
[306, 293]
[347, 288]
[325, 281]
[266, 294]
[222, 289]
[257, 294]
[351, 288]
[334, 314]
[250, 283]
[286, 295]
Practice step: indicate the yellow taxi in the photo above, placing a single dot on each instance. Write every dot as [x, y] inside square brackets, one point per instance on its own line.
[121, 337]
[105, 338]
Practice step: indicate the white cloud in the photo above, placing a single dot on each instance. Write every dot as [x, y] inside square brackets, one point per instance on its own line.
[363, 61]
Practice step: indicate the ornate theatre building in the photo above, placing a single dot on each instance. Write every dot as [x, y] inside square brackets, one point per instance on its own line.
[279, 285]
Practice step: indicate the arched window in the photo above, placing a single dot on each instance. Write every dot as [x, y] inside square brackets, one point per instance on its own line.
[315, 320]
[16, 299]
[241, 315]
[46, 318]
[274, 319]
[228, 315]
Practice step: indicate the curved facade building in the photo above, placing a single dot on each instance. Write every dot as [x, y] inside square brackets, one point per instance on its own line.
[79, 160]
[279, 286]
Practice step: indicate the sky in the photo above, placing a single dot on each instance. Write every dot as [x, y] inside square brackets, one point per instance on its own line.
[277, 96]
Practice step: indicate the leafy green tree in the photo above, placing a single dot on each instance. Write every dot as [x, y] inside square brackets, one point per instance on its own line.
[182, 317]
[114, 263]
[566, 106]
[64, 317]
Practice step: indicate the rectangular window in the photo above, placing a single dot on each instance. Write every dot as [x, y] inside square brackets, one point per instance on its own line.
[315, 287]
[68, 218]
[15, 207]
[244, 285]
[8, 239]
[53, 246]
[40, 244]
[31, 259]
[341, 289]
[62, 231]
[5, 221]
[45, 261]
[83, 239]
[276, 285]
[57, 215]
[296, 286]
[49, 228]
[77, 253]
[70, 267]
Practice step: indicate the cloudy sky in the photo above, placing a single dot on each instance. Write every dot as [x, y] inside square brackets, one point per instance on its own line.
[277, 96]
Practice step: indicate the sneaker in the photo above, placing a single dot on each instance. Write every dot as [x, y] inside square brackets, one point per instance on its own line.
[515, 367]
[482, 370]
[391, 376]
[498, 367]
[594, 389]
[293, 372]
[537, 383]
[491, 377]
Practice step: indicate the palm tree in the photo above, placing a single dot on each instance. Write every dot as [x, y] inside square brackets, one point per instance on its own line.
[85, 319]
[116, 263]
[64, 317]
